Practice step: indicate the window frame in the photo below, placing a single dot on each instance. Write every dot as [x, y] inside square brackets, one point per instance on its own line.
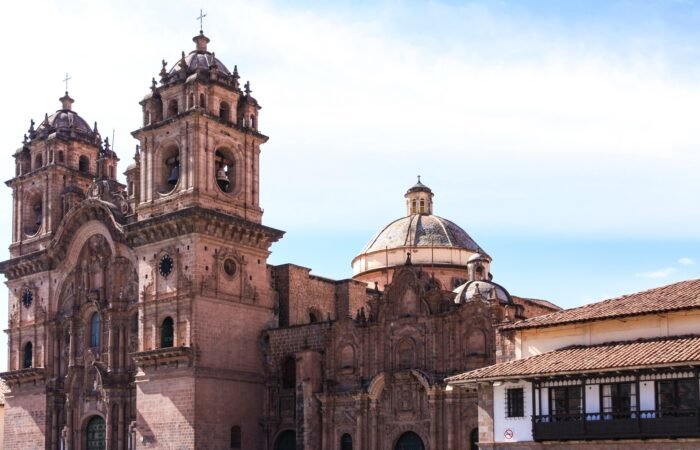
[515, 407]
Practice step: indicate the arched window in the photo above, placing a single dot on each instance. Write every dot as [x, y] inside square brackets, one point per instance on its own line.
[225, 170]
[252, 121]
[347, 357]
[146, 117]
[191, 101]
[236, 437]
[413, 207]
[131, 188]
[289, 373]
[34, 215]
[422, 206]
[167, 333]
[346, 442]
[95, 330]
[225, 111]
[61, 157]
[111, 172]
[172, 108]
[38, 162]
[83, 164]
[409, 441]
[201, 101]
[28, 356]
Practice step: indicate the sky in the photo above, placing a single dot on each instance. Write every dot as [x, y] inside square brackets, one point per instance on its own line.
[561, 135]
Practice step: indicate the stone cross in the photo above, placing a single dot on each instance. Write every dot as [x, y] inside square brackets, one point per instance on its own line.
[65, 80]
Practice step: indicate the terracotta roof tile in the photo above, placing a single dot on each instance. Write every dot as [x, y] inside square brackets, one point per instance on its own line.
[683, 295]
[657, 352]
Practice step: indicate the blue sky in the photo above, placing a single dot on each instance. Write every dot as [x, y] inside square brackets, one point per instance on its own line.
[562, 135]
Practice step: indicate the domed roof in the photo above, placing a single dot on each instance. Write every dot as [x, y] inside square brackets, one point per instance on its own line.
[419, 187]
[64, 121]
[482, 289]
[421, 230]
[199, 61]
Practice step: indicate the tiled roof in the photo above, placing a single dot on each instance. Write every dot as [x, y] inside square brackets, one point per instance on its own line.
[657, 352]
[683, 295]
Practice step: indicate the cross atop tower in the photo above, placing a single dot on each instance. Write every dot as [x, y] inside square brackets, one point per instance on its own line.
[65, 80]
[201, 20]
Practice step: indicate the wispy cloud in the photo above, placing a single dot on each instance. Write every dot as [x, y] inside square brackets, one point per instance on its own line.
[658, 274]
[685, 261]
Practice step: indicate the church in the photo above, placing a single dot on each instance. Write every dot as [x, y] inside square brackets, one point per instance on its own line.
[144, 314]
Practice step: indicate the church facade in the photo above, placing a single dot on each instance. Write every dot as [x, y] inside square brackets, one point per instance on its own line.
[145, 316]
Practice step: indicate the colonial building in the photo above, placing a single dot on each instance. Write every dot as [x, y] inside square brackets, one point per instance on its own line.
[145, 316]
[622, 373]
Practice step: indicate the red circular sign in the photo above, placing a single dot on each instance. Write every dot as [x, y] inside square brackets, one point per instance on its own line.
[508, 434]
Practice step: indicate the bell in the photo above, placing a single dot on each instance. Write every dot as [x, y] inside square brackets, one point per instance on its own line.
[174, 175]
[222, 179]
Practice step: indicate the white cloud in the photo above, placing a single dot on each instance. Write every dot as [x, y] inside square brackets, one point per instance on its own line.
[658, 274]
[685, 261]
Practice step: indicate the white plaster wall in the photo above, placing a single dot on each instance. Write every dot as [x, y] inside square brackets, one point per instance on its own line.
[520, 426]
[537, 341]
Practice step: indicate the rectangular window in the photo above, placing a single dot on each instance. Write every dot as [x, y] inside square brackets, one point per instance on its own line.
[676, 397]
[565, 403]
[618, 400]
[515, 404]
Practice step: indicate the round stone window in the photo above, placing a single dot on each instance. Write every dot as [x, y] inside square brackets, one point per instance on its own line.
[230, 267]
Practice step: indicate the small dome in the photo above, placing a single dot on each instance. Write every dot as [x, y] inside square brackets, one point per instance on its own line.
[64, 120]
[478, 257]
[487, 290]
[419, 187]
[421, 230]
[199, 61]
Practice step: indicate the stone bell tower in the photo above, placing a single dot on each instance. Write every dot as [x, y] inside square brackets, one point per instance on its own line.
[54, 168]
[205, 291]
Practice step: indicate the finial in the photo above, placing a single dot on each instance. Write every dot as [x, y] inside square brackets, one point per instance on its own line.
[153, 84]
[248, 90]
[26, 139]
[107, 143]
[137, 152]
[235, 72]
[46, 117]
[163, 73]
[65, 80]
[94, 128]
[31, 125]
[408, 258]
[419, 178]
[201, 21]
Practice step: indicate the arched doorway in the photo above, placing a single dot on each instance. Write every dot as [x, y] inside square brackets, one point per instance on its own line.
[95, 434]
[287, 440]
[474, 439]
[409, 441]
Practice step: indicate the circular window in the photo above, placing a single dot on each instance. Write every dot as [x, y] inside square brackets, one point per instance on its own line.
[165, 267]
[27, 298]
[230, 267]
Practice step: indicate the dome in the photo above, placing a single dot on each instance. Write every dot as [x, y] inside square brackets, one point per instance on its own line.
[64, 121]
[199, 61]
[421, 230]
[483, 289]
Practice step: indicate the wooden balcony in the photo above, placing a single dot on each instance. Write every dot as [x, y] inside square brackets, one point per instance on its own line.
[633, 424]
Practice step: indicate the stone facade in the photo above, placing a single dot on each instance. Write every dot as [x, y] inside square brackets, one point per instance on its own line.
[145, 315]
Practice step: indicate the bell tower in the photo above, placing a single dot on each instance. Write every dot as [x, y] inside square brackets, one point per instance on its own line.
[199, 143]
[205, 289]
[54, 167]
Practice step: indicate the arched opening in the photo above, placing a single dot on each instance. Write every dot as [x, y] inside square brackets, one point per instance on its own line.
[95, 329]
[346, 442]
[480, 272]
[95, 434]
[347, 357]
[406, 353]
[111, 172]
[413, 207]
[225, 170]
[28, 356]
[422, 206]
[474, 439]
[409, 441]
[252, 121]
[146, 117]
[190, 99]
[225, 111]
[38, 162]
[167, 332]
[61, 157]
[287, 440]
[236, 437]
[172, 108]
[201, 101]
[130, 189]
[83, 164]
[289, 373]
[313, 318]
[33, 214]
[169, 172]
